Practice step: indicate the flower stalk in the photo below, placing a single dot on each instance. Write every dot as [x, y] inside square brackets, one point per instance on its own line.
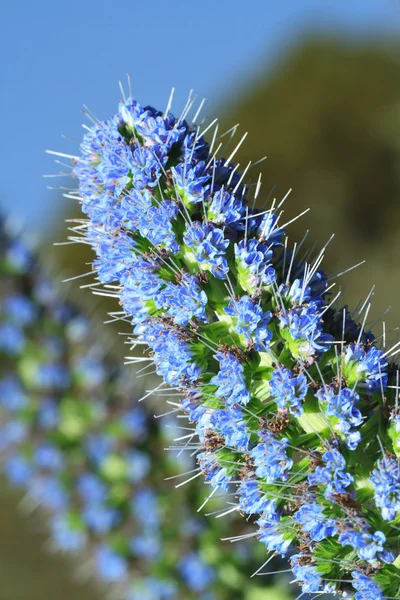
[294, 401]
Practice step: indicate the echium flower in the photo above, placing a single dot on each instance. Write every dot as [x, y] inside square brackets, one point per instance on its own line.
[291, 398]
[72, 436]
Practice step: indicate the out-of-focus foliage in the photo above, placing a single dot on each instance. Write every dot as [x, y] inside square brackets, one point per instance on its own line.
[328, 119]
[91, 460]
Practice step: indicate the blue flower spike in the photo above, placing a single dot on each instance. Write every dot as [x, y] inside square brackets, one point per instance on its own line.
[293, 404]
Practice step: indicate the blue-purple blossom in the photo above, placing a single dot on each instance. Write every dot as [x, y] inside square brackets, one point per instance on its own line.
[250, 321]
[254, 266]
[230, 380]
[332, 475]
[365, 366]
[232, 425]
[110, 565]
[183, 301]
[270, 458]
[153, 221]
[366, 588]
[271, 533]
[341, 405]
[215, 474]
[306, 574]
[386, 480]
[208, 245]
[195, 572]
[225, 209]
[65, 536]
[269, 231]
[172, 355]
[304, 325]
[288, 391]
[368, 546]
[253, 501]
[11, 338]
[313, 521]
[191, 182]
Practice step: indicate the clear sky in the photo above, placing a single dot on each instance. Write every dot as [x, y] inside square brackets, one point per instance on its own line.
[57, 55]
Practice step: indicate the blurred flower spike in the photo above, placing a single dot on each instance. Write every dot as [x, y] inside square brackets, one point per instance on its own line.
[90, 458]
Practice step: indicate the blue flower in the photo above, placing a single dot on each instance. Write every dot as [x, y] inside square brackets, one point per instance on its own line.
[134, 420]
[12, 339]
[138, 465]
[146, 507]
[18, 470]
[213, 473]
[341, 406]
[19, 309]
[230, 380]
[193, 406]
[313, 521]
[192, 182]
[52, 376]
[386, 480]
[145, 166]
[268, 230]
[365, 366]
[250, 321]
[271, 534]
[172, 355]
[208, 245]
[12, 433]
[18, 255]
[111, 567]
[116, 162]
[98, 446]
[91, 488]
[307, 574]
[142, 283]
[184, 301]
[226, 209]
[253, 502]
[288, 391]
[368, 546]
[146, 545]
[101, 519]
[197, 574]
[151, 218]
[233, 426]
[158, 130]
[114, 254]
[50, 492]
[12, 395]
[304, 324]
[297, 293]
[366, 588]
[270, 458]
[333, 475]
[49, 457]
[65, 536]
[150, 588]
[253, 261]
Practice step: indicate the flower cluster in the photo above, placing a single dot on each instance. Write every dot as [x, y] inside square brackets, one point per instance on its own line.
[280, 384]
[84, 451]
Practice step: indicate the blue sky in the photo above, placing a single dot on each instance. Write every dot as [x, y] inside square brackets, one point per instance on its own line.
[58, 55]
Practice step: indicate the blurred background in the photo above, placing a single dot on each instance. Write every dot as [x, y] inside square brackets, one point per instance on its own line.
[316, 84]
